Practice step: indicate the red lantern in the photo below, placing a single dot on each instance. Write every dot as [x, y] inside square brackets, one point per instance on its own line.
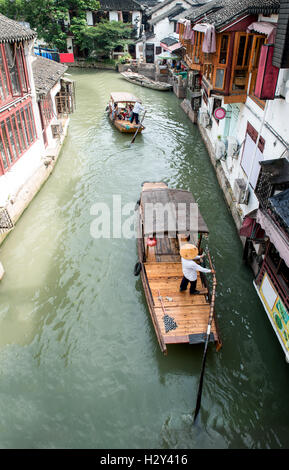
[151, 241]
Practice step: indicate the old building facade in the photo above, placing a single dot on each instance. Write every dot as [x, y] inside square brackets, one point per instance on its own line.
[238, 89]
[33, 118]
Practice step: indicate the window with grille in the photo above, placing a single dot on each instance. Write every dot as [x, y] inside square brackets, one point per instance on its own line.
[47, 110]
[17, 134]
[13, 73]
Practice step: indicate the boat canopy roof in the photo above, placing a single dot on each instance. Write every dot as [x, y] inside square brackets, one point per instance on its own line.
[124, 97]
[182, 214]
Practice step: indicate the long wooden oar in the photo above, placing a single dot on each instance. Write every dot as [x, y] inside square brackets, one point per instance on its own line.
[211, 316]
[133, 139]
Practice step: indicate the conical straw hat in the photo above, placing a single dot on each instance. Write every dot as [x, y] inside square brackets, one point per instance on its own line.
[189, 251]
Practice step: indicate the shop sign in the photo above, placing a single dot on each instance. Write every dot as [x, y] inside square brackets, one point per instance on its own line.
[220, 113]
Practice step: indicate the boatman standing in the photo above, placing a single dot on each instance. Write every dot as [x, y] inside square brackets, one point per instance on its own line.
[189, 253]
[135, 112]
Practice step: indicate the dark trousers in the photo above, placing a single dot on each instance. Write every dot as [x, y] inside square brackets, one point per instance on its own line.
[134, 116]
[184, 285]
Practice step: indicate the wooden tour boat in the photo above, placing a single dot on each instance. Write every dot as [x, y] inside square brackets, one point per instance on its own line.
[178, 317]
[141, 80]
[123, 100]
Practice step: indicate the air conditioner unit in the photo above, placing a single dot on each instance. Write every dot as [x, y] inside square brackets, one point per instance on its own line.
[220, 149]
[241, 193]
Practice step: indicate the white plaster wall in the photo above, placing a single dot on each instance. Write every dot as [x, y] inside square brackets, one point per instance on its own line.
[69, 43]
[113, 16]
[139, 50]
[89, 18]
[163, 29]
[51, 141]
[29, 60]
[34, 103]
[137, 15]
[14, 179]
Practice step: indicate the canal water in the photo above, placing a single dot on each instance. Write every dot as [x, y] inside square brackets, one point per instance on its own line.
[80, 366]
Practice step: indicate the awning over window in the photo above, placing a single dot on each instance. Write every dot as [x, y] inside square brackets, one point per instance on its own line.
[173, 48]
[277, 237]
[250, 228]
[170, 44]
[264, 27]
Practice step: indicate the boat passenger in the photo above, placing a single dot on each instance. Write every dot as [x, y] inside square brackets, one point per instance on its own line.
[135, 112]
[114, 111]
[189, 254]
[129, 113]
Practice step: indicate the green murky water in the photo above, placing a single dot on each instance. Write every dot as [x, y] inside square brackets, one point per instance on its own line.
[80, 366]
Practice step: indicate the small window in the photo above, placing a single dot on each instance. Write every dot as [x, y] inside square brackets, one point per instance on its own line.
[220, 78]
[127, 16]
[158, 50]
[248, 50]
[6, 141]
[11, 61]
[241, 52]
[224, 49]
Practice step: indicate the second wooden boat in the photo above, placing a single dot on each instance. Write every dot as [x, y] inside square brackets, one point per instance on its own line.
[178, 317]
[141, 80]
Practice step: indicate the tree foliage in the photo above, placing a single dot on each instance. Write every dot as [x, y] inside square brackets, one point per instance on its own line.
[101, 39]
[48, 16]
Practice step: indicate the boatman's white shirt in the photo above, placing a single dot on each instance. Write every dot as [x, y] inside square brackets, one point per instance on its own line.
[190, 269]
[137, 108]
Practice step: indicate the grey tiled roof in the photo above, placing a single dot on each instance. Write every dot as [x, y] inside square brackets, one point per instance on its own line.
[46, 73]
[167, 2]
[169, 41]
[221, 12]
[11, 30]
[148, 3]
[187, 13]
[171, 13]
[120, 5]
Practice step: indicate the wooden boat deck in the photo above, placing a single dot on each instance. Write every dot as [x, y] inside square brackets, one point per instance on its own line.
[161, 276]
[189, 312]
[126, 126]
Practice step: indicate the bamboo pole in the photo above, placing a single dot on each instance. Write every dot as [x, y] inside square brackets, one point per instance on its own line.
[211, 316]
[133, 139]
